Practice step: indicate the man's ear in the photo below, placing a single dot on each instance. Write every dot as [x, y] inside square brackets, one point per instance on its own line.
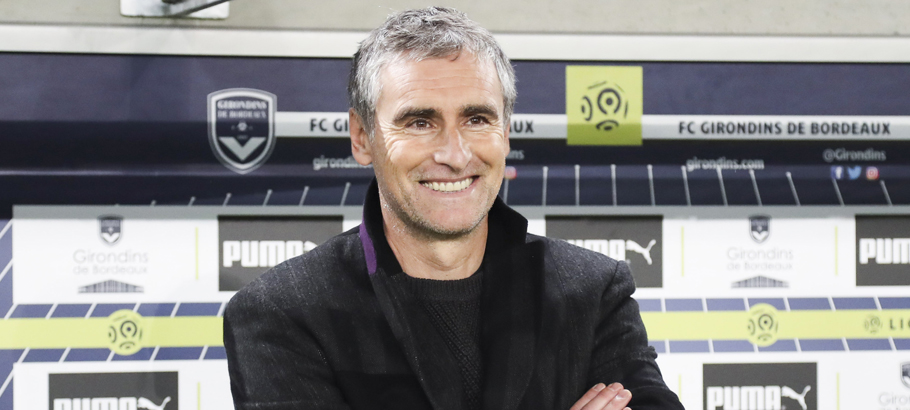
[360, 140]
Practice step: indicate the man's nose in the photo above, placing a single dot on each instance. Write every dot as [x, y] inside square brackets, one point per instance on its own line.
[454, 150]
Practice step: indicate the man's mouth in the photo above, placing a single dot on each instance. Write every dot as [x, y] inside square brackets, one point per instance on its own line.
[449, 186]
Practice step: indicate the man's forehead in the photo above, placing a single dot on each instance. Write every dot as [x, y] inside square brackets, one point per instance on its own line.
[464, 63]
[461, 56]
[425, 76]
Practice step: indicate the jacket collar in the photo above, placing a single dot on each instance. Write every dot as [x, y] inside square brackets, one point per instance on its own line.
[510, 310]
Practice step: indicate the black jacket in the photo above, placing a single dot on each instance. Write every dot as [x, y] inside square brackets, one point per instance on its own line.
[332, 330]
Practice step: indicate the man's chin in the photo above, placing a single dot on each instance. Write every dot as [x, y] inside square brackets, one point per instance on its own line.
[448, 228]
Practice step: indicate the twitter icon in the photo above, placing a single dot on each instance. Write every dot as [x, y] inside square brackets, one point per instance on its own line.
[854, 172]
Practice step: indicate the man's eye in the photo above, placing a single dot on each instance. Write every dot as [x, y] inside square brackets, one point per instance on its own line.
[420, 124]
[477, 121]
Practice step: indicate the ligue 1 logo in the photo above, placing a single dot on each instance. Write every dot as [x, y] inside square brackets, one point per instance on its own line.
[124, 332]
[759, 228]
[872, 324]
[604, 105]
[762, 324]
[111, 228]
[242, 127]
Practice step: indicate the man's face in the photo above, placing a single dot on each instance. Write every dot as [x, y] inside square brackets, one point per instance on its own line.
[440, 143]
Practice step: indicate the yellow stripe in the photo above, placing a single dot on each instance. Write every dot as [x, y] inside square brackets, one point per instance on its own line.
[793, 324]
[838, 391]
[93, 333]
[679, 389]
[194, 331]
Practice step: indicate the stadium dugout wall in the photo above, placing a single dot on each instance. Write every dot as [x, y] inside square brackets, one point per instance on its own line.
[761, 198]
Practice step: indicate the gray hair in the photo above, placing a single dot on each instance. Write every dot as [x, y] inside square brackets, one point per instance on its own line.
[433, 32]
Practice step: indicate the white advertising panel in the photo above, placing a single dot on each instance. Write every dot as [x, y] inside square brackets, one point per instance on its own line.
[808, 381]
[875, 383]
[173, 385]
[760, 253]
[111, 254]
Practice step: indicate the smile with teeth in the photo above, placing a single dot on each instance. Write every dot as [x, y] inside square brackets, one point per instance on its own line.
[449, 186]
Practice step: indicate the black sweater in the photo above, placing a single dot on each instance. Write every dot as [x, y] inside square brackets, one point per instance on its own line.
[454, 308]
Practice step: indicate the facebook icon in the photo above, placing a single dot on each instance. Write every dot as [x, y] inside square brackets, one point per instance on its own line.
[837, 172]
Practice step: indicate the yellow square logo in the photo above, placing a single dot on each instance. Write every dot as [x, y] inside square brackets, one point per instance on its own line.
[604, 105]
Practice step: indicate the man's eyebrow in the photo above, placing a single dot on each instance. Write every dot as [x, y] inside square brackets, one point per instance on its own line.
[485, 109]
[414, 112]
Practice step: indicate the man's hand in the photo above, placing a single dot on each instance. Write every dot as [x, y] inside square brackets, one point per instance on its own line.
[601, 397]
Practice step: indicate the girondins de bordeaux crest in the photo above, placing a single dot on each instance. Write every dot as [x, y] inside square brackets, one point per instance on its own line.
[759, 228]
[111, 228]
[905, 374]
[242, 127]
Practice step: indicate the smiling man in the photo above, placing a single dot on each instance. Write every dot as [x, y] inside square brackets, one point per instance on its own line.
[440, 299]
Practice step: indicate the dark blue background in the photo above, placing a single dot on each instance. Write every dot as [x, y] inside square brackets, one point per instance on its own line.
[129, 129]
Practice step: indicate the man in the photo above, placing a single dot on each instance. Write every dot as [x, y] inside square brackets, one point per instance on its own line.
[440, 299]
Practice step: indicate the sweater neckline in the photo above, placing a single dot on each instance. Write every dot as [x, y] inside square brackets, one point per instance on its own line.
[443, 290]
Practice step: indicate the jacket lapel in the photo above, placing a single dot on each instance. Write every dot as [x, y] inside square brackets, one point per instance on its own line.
[510, 309]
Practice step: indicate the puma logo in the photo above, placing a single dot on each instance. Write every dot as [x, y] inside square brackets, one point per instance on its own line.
[616, 248]
[791, 394]
[147, 404]
[644, 252]
[752, 397]
[109, 403]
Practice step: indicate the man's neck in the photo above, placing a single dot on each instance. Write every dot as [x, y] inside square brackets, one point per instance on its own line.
[433, 257]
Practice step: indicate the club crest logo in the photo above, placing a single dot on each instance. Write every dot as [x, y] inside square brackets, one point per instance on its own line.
[905, 374]
[760, 228]
[111, 228]
[242, 127]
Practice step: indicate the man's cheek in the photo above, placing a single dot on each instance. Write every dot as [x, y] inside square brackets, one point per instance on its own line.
[397, 153]
[409, 154]
[493, 151]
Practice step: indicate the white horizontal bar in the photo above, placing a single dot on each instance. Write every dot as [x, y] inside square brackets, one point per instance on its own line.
[656, 127]
[776, 127]
[177, 41]
[335, 124]
[342, 44]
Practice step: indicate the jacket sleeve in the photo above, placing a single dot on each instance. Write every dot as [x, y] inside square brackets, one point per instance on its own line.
[274, 363]
[621, 352]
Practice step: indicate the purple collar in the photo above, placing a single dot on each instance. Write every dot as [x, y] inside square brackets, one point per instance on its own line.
[369, 253]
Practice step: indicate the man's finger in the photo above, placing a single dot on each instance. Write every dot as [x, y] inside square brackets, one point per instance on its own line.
[590, 394]
[611, 398]
[620, 401]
